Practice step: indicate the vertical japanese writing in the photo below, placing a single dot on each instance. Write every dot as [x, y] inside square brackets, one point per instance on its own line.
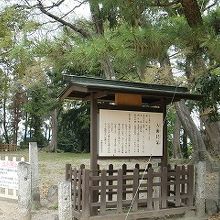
[130, 133]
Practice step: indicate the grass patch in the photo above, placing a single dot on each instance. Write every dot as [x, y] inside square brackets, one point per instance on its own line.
[44, 156]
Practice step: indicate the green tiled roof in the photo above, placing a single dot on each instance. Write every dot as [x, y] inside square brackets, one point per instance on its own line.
[89, 85]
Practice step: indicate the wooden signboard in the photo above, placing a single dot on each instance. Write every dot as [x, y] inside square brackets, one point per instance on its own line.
[130, 133]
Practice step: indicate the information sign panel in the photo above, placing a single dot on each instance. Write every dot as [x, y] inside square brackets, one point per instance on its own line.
[8, 174]
[130, 133]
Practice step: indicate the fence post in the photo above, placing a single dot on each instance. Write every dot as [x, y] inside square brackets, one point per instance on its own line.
[65, 201]
[200, 188]
[124, 172]
[68, 175]
[219, 187]
[33, 160]
[24, 190]
[85, 194]
[110, 182]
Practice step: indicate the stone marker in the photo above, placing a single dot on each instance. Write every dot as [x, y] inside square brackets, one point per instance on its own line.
[64, 201]
[52, 196]
[33, 159]
[200, 188]
[24, 190]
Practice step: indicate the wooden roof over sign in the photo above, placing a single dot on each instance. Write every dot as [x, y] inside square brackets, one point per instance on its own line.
[81, 87]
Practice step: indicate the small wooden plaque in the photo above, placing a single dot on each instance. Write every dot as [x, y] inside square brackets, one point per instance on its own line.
[125, 99]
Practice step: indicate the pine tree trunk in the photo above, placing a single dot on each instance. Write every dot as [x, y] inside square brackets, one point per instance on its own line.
[26, 127]
[53, 143]
[176, 140]
[199, 148]
[5, 121]
[192, 12]
[184, 146]
[212, 129]
[99, 27]
[16, 120]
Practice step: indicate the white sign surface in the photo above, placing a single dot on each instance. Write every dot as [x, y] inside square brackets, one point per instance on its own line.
[130, 133]
[8, 174]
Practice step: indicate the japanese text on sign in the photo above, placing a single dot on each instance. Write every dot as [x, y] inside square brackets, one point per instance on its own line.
[130, 133]
[8, 174]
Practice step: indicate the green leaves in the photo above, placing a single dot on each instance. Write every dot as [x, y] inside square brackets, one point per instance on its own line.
[209, 87]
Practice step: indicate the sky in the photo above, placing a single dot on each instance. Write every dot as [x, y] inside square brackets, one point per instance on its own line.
[75, 9]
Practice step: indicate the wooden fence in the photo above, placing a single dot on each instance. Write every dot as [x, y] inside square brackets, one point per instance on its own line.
[115, 191]
[8, 147]
[9, 177]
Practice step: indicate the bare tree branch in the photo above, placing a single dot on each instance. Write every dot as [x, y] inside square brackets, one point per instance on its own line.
[77, 6]
[73, 27]
[55, 4]
[210, 6]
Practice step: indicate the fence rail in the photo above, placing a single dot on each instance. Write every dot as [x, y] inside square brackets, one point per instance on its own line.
[102, 192]
[8, 147]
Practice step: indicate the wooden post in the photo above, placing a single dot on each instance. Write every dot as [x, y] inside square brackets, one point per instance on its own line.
[135, 188]
[93, 133]
[94, 145]
[149, 188]
[165, 150]
[103, 192]
[68, 173]
[119, 191]
[79, 193]
[124, 172]
[110, 182]
[163, 187]
[190, 185]
[74, 188]
[85, 194]
[177, 188]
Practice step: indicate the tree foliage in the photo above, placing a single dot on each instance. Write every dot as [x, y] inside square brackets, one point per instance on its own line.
[168, 42]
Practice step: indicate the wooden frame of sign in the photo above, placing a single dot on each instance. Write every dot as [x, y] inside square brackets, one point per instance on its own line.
[124, 96]
[126, 107]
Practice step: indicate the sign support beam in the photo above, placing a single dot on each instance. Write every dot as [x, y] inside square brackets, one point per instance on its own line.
[93, 132]
[165, 150]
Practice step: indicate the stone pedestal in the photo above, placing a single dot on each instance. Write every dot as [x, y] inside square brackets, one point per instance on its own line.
[24, 191]
[64, 201]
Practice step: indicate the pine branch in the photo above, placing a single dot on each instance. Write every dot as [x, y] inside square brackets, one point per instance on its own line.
[73, 27]
[167, 4]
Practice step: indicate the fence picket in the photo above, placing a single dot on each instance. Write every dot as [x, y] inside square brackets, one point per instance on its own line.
[110, 182]
[135, 189]
[164, 188]
[119, 191]
[103, 192]
[149, 188]
[74, 188]
[177, 184]
[79, 189]
[124, 171]
[95, 192]
[190, 188]
[85, 193]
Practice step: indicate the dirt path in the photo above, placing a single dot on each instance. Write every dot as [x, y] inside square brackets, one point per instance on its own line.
[9, 211]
